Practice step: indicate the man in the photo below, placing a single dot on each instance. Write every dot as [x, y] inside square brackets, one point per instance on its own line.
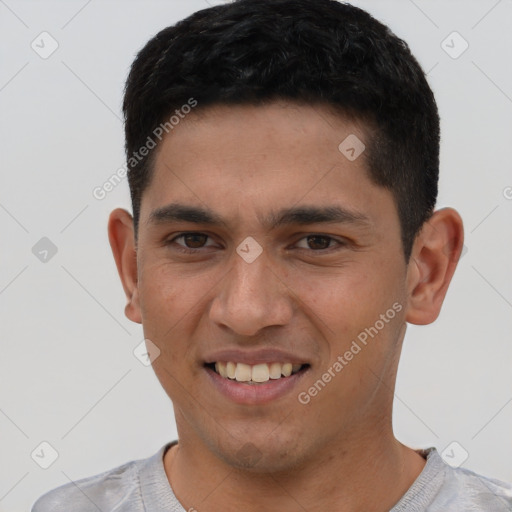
[283, 164]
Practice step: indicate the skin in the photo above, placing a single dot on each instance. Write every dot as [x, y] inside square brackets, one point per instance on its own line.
[306, 295]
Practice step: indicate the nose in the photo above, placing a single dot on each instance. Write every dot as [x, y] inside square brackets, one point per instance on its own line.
[252, 296]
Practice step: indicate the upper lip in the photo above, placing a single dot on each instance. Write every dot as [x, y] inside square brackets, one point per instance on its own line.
[257, 356]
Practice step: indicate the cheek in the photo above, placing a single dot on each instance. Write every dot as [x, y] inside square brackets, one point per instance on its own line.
[165, 302]
[173, 303]
[337, 299]
[158, 295]
[167, 294]
[346, 304]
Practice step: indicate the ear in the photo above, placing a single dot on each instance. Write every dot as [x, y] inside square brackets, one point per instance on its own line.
[434, 257]
[122, 241]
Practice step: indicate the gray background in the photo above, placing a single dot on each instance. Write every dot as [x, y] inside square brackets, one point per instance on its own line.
[68, 373]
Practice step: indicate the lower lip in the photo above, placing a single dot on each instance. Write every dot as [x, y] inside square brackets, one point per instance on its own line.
[255, 394]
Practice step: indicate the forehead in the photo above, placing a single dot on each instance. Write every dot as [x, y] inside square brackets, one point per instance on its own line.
[240, 131]
[252, 158]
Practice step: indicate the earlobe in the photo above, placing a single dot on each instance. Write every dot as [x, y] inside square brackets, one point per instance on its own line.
[434, 257]
[122, 242]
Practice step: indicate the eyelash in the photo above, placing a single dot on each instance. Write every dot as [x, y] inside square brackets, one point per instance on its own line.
[187, 250]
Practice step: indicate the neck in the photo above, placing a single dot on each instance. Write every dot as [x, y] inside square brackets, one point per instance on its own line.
[372, 473]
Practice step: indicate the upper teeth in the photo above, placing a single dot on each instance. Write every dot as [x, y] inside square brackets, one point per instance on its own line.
[256, 373]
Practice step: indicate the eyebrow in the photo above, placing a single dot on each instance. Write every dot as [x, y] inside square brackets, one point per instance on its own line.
[313, 215]
[176, 212]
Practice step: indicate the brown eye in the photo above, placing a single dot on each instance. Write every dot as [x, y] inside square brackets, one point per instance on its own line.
[318, 242]
[194, 240]
[320, 245]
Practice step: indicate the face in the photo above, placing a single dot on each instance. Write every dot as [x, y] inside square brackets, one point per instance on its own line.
[261, 244]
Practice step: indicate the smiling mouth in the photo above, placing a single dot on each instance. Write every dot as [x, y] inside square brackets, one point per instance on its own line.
[257, 373]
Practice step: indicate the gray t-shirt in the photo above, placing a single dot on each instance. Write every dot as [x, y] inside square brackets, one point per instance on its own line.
[142, 486]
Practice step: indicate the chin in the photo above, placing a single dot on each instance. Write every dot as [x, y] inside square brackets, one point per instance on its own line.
[262, 453]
